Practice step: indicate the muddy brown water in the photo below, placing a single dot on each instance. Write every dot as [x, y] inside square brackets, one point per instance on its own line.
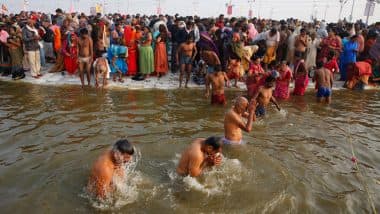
[296, 161]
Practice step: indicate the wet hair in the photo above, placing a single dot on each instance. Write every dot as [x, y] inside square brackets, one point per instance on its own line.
[218, 68]
[214, 142]
[331, 54]
[83, 31]
[270, 79]
[319, 64]
[124, 147]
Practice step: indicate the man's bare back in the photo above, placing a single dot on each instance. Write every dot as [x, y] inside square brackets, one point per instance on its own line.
[323, 78]
[200, 154]
[210, 58]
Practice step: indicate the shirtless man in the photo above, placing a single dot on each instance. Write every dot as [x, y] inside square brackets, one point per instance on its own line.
[101, 70]
[233, 121]
[264, 96]
[187, 51]
[211, 59]
[217, 81]
[85, 55]
[107, 166]
[202, 153]
[301, 43]
[324, 81]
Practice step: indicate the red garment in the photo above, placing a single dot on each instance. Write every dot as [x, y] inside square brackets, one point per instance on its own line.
[282, 85]
[253, 84]
[327, 43]
[332, 65]
[218, 99]
[130, 40]
[301, 79]
[364, 68]
[71, 62]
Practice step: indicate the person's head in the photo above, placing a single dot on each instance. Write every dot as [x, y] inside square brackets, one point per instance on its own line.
[32, 20]
[332, 32]
[269, 81]
[241, 105]
[213, 145]
[236, 37]
[354, 38]
[283, 65]
[218, 68]
[162, 28]
[12, 30]
[377, 25]
[303, 32]
[255, 59]
[272, 31]
[331, 55]
[146, 29]
[83, 32]
[313, 35]
[189, 38]
[319, 64]
[122, 151]
[59, 11]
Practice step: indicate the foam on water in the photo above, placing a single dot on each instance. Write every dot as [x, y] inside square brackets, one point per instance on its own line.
[213, 181]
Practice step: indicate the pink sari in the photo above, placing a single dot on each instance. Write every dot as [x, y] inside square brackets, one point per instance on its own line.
[282, 85]
[301, 79]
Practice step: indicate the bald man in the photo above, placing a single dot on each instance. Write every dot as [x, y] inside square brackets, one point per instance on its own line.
[234, 123]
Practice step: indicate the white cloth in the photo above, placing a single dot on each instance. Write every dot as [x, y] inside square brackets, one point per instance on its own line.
[272, 40]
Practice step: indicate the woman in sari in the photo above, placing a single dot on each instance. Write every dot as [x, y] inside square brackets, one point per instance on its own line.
[130, 41]
[234, 62]
[70, 53]
[300, 76]
[160, 54]
[146, 56]
[283, 81]
[332, 42]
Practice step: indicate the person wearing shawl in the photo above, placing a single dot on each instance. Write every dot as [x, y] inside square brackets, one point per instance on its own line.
[234, 62]
[70, 53]
[252, 32]
[207, 43]
[161, 65]
[146, 56]
[130, 41]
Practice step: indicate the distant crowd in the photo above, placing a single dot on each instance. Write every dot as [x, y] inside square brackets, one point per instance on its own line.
[114, 46]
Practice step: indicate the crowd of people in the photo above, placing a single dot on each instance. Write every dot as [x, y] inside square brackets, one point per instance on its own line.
[114, 46]
[266, 55]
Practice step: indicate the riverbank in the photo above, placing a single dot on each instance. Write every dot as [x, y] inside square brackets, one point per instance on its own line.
[167, 82]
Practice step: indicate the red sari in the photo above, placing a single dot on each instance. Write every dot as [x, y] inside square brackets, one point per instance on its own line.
[301, 79]
[161, 58]
[330, 44]
[70, 53]
[130, 40]
[254, 79]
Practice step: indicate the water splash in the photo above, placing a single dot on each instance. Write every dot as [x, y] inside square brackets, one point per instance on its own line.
[125, 187]
[213, 181]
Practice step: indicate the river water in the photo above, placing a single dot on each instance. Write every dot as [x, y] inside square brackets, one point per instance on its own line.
[295, 161]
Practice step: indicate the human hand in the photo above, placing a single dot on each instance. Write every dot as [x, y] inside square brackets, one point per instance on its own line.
[252, 105]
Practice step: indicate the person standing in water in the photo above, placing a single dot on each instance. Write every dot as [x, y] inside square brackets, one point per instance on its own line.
[185, 56]
[85, 55]
[233, 121]
[201, 154]
[264, 96]
[323, 83]
[217, 80]
[109, 164]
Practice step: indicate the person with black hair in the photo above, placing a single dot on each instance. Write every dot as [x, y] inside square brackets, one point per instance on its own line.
[264, 96]
[85, 55]
[185, 57]
[323, 78]
[201, 154]
[217, 80]
[109, 164]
